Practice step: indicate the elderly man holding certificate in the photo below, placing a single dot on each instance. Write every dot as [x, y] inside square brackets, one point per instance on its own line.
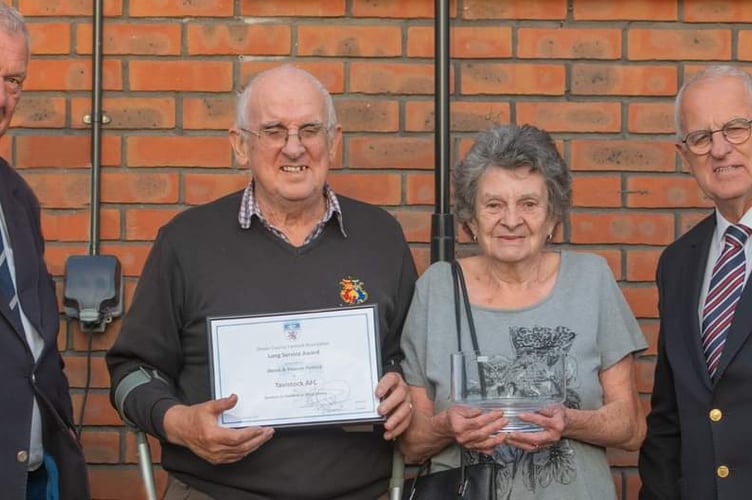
[267, 322]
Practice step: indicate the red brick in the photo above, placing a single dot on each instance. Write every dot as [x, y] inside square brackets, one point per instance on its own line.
[632, 483]
[38, 111]
[678, 44]
[650, 117]
[208, 76]
[153, 39]
[330, 74]
[181, 8]
[514, 9]
[211, 112]
[622, 155]
[139, 187]
[621, 458]
[637, 80]
[420, 189]
[101, 447]
[398, 8]
[390, 152]
[74, 226]
[55, 256]
[50, 38]
[131, 256]
[203, 188]
[131, 448]
[68, 190]
[421, 257]
[68, 151]
[71, 74]
[368, 115]
[512, 78]
[465, 116]
[415, 224]
[649, 10]
[642, 263]
[298, 8]
[687, 220]
[675, 191]
[568, 43]
[98, 409]
[143, 223]
[178, 151]
[75, 370]
[626, 227]
[644, 374]
[349, 41]
[137, 113]
[719, 11]
[744, 45]
[389, 78]
[571, 116]
[247, 39]
[642, 300]
[477, 42]
[378, 189]
[31, 8]
[109, 483]
[596, 191]
[650, 330]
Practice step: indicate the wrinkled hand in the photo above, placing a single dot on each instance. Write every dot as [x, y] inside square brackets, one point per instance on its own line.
[395, 404]
[196, 428]
[475, 429]
[553, 420]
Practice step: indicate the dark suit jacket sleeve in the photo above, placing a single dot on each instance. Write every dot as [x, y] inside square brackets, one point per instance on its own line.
[659, 455]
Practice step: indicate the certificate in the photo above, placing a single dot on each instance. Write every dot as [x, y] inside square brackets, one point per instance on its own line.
[297, 369]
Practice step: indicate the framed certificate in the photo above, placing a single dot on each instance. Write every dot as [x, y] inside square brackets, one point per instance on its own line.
[297, 369]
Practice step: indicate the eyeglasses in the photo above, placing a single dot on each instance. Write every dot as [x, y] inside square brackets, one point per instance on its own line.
[276, 137]
[735, 131]
[13, 85]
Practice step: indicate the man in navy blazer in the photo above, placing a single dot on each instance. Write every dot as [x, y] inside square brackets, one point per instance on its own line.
[40, 456]
[699, 439]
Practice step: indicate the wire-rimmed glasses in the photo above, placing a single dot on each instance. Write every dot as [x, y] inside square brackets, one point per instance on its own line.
[309, 135]
[735, 131]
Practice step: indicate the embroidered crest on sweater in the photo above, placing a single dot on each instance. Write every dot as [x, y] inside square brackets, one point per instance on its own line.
[352, 291]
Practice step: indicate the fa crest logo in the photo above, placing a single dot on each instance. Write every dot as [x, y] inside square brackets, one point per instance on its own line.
[352, 291]
[292, 329]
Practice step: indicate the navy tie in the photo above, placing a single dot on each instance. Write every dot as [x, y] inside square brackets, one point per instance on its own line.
[726, 285]
[7, 290]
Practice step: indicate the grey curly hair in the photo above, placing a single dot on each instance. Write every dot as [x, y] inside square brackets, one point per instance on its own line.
[510, 147]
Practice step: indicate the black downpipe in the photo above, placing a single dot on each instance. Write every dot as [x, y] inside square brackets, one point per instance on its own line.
[96, 130]
[442, 221]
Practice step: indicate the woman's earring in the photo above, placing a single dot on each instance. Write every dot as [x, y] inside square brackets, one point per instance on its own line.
[475, 238]
[548, 238]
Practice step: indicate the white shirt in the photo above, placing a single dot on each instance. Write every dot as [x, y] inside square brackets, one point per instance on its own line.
[716, 247]
[36, 345]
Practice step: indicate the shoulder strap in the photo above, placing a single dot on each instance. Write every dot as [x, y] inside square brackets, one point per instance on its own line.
[460, 287]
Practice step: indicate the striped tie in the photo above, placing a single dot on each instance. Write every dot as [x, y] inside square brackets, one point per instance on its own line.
[726, 285]
[7, 290]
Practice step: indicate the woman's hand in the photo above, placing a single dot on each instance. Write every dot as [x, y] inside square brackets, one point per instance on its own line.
[553, 421]
[475, 429]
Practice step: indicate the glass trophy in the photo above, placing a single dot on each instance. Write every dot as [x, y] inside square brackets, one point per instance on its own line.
[524, 384]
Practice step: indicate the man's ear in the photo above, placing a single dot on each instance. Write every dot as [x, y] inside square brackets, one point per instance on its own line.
[682, 152]
[334, 142]
[239, 146]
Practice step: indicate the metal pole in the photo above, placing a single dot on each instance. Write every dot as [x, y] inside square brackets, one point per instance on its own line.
[144, 462]
[96, 130]
[442, 221]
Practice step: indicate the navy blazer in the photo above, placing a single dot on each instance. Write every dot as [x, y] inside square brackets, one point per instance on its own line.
[20, 378]
[699, 439]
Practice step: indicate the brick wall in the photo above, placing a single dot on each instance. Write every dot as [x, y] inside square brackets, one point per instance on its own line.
[600, 75]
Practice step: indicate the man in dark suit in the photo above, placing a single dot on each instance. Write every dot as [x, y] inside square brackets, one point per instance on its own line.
[699, 440]
[40, 456]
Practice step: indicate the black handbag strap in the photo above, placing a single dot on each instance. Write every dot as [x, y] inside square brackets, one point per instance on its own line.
[460, 288]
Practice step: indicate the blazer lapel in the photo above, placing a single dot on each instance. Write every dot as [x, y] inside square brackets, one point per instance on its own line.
[695, 260]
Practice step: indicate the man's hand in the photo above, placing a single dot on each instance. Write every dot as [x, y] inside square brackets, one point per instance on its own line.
[196, 428]
[395, 404]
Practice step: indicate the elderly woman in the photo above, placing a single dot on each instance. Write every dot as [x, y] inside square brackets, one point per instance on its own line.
[511, 192]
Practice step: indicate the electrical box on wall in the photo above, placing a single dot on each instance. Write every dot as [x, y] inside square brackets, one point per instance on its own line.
[93, 290]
